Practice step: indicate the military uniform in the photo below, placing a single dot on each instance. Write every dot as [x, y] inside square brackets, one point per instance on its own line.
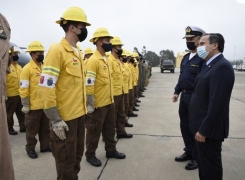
[191, 65]
[6, 164]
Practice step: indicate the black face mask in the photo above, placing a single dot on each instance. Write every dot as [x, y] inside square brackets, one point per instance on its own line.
[15, 58]
[191, 45]
[107, 47]
[119, 52]
[132, 60]
[125, 60]
[40, 58]
[83, 35]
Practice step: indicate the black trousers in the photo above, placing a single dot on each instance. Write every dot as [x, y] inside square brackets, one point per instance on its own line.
[209, 160]
[188, 137]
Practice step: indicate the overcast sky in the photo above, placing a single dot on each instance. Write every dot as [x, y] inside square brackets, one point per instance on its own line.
[157, 24]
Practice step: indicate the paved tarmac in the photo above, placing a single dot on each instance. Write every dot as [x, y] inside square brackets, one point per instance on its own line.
[157, 140]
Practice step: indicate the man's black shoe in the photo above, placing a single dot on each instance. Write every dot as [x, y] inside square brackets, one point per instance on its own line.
[136, 105]
[94, 161]
[135, 109]
[13, 132]
[126, 135]
[192, 165]
[23, 130]
[138, 101]
[32, 154]
[142, 95]
[46, 150]
[128, 125]
[183, 157]
[133, 115]
[116, 155]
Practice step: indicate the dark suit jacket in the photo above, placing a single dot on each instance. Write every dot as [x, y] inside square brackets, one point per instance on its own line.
[209, 106]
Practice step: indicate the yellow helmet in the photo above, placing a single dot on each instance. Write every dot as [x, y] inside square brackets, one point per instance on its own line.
[73, 14]
[15, 50]
[35, 46]
[116, 41]
[129, 53]
[124, 53]
[100, 32]
[88, 51]
[135, 54]
[107, 54]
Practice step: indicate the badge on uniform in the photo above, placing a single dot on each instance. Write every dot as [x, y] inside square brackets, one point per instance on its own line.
[37, 73]
[50, 81]
[42, 79]
[104, 67]
[195, 65]
[75, 61]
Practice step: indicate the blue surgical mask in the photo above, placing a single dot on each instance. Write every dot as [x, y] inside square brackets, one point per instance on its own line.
[202, 53]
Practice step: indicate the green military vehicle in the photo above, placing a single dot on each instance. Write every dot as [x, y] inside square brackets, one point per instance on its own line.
[167, 64]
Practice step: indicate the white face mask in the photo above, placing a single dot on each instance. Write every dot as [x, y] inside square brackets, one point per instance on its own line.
[202, 52]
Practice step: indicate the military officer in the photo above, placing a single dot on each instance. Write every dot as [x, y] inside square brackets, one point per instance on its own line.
[191, 65]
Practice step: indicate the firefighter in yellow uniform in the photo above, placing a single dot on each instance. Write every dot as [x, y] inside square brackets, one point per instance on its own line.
[120, 116]
[63, 93]
[35, 119]
[136, 78]
[126, 80]
[87, 53]
[100, 101]
[132, 85]
[13, 103]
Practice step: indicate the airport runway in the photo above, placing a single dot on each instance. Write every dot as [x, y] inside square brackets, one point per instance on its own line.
[157, 140]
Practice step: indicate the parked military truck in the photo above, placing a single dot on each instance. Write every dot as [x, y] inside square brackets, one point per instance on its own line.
[167, 64]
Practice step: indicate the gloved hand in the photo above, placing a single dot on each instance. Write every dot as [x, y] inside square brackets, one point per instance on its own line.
[25, 109]
[90, 103]
[59, 128]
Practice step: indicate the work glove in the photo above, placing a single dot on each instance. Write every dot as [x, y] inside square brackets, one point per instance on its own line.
[59, 128]
[90, 103]
[25, 109]
[26, 105]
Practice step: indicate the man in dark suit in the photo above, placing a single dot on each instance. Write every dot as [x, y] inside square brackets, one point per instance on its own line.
[209, 106]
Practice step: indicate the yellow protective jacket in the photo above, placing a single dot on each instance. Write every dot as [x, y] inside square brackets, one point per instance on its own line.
[13, 80]
[99, 80]
[117, 75]
[29, 79]
[130, 82]
[62, 83]
[125, 72]
[136, 75]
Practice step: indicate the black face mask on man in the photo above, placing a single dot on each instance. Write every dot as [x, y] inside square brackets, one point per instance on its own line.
[40, 58]
[125, 59]
[15, 58]
[107, 47]
[83, 35]
[119, 52]
[191, 45]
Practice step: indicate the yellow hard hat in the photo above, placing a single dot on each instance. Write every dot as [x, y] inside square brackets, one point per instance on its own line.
[88, 51]
[124, 53]
[73, 14]
[35, 46]
[135, 54]
[15, 50]
[100, 32]
[116, 41]
[129, 53]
